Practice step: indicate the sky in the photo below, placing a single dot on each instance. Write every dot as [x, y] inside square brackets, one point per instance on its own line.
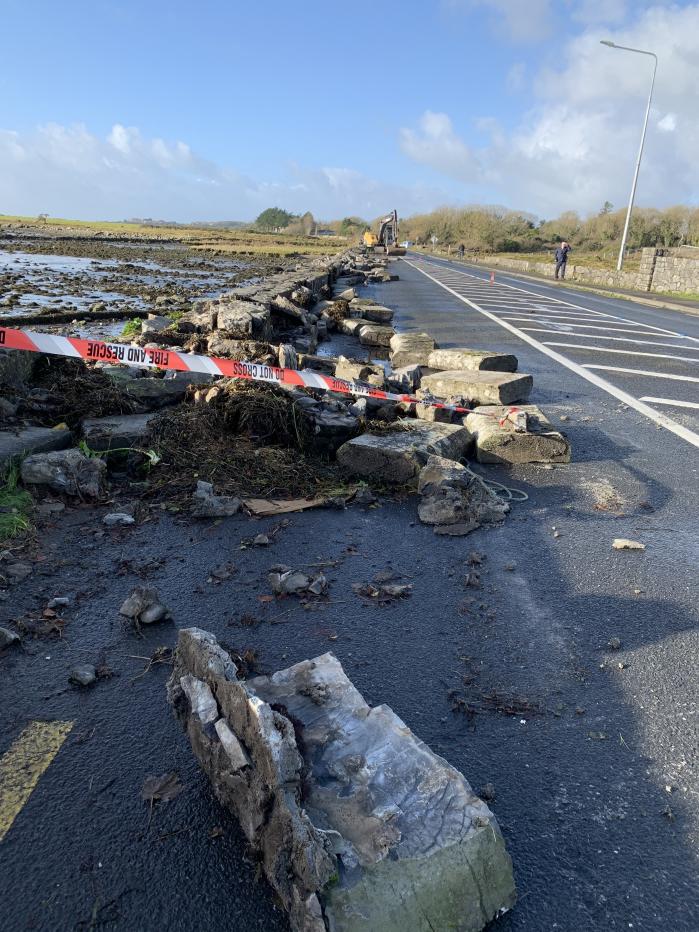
[215, 110]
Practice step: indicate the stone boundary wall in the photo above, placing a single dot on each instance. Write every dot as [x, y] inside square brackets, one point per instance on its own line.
[660, 270]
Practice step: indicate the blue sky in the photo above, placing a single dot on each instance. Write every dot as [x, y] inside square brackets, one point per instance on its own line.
[219, 109]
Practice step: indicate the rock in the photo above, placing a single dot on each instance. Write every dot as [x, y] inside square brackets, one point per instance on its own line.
[245, 317]
[452, 494]
[118, 519]
[405, 379]
[201, 319]
[207, 505]
[375, 335]
[83, 674]
[283, 305]
[356, 817]
[351, 326]
[487, 792]
[288, 357]
[344, 294]
[622, 543]
[117, 432]
[144, 607]
[375, 313]
[359, 372]
[614, 644]
[60, 601]
[8, 408]
[398, 455]
[498, 440]
[155, 324]
[302, 295]
[67, 472]
[8, 638]
[471, 360]
[151, 394]
[28, 440]
[16, 572]
[293, 582]
[261, 540]
[430, 413]
[479, 388]
[16, 368]
[410, 349]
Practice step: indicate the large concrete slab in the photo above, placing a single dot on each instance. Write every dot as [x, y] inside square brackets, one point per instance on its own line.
[497, 441]
[375, 335]
[398, 455]
[117, 432]
[32, 440]
[471, 360]
[358, 825]
[409, 349]
[479, 387]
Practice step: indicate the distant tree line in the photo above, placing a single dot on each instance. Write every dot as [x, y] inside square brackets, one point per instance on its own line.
[277, 220]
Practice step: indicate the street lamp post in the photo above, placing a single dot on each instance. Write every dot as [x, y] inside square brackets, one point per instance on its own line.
[625, 48]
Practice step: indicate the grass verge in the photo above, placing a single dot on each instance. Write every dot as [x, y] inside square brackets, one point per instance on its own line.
[15, 506]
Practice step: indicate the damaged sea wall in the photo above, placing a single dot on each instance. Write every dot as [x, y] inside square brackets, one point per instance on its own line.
[358, 824]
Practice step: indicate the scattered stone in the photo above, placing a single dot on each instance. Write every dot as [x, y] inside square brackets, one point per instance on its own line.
[118, 519]
[30, 440]
[359, 372]
[481, 388]
[375, 335]
[50, 508]
[487, 792]
[471, 360]
[288, 357]
[409, 349]
[207, 505]
[68, 472]
[7, 638]
[144, 607]
[16, 572]
[398, 455]
[356, 817]
[405, 379]
[376, 313]
[499, 440]
[152, 394]
[292, 582]
[622, 543]
[118, 432]
[614, 644]
[83, 674]
[261, 540]
[61, 601]
[430, 413]
[154, 324]
[364, 496]
[453, 495]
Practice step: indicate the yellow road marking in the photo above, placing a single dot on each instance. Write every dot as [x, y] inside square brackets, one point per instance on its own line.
[22, 766]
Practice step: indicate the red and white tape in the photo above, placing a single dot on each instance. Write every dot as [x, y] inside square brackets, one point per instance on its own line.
[128, 355]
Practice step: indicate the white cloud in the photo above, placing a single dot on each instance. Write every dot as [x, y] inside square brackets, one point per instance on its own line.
[68, 171]
[576, 147]
[519, 20]
[596, 12]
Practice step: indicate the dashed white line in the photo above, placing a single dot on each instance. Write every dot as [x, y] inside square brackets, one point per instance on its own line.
[600, 336]
[656, 375]
[656, 416]
[671, 401]
[643, 333]
[623, 352]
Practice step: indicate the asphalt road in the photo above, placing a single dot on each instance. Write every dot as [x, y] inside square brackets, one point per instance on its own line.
[593, 753]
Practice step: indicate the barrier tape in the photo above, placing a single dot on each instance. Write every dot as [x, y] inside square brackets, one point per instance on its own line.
[126, 354]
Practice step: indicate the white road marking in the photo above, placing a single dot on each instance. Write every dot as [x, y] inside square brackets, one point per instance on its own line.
[656, 375]
[656, 416]
[600, 336]
[623, 352]
[671, 401]
[644, 333]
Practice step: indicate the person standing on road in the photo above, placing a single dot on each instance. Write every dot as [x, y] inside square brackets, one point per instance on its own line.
[461, 251]
[562, 259]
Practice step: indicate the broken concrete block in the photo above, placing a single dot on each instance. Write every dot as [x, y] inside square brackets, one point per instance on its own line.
[405, 379]
[151, 394]
[375, 313]
[452, 494]
[408, 349]
[498, 440]
[351, 326]
[471, 360]
[359, 372]
[144, 607]
[288, 357]
[207, 505]
[478, 387]
[429, 413]
[375, 335]
[358, 824]
[201, 319]
[117, 432]
[246, 317]
[32, 440]
[67, 472]
[399, 454]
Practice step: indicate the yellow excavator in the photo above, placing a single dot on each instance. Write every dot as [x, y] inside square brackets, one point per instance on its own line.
[387, 237]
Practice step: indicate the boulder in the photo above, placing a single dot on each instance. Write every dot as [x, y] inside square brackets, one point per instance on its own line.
[398, 454]
[246, 317]
[471, 360]
[68, 472]
[32, 440]
[453, 495]
[117, 432]
[499, 441]
[409, 349]
[375, 335]
[357, 824]
[359, 372]
[201, 319]
[478, 387]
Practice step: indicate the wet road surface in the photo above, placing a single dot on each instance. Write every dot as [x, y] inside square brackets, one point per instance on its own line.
[592, 751]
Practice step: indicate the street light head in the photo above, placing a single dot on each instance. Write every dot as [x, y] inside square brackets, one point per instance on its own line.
[607, 42]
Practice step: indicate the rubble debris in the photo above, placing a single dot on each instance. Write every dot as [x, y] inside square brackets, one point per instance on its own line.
[499, 439]
[324, 787]
[7, 638]
[360, 372]
[68, 472]
[83, 674]
[161, 789]
[383, 592]
[410, 349]
[28, 440]
[479, 388]
[453, 496]
[472, 360]
[144, 607]
[207, 505]
[285, 581]
[614, 643]
[622, 543]
[375, 335]
[118, 519]
[16, 572]
[398, 454]
[116, 432]
[262, 507]
[288, 357]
